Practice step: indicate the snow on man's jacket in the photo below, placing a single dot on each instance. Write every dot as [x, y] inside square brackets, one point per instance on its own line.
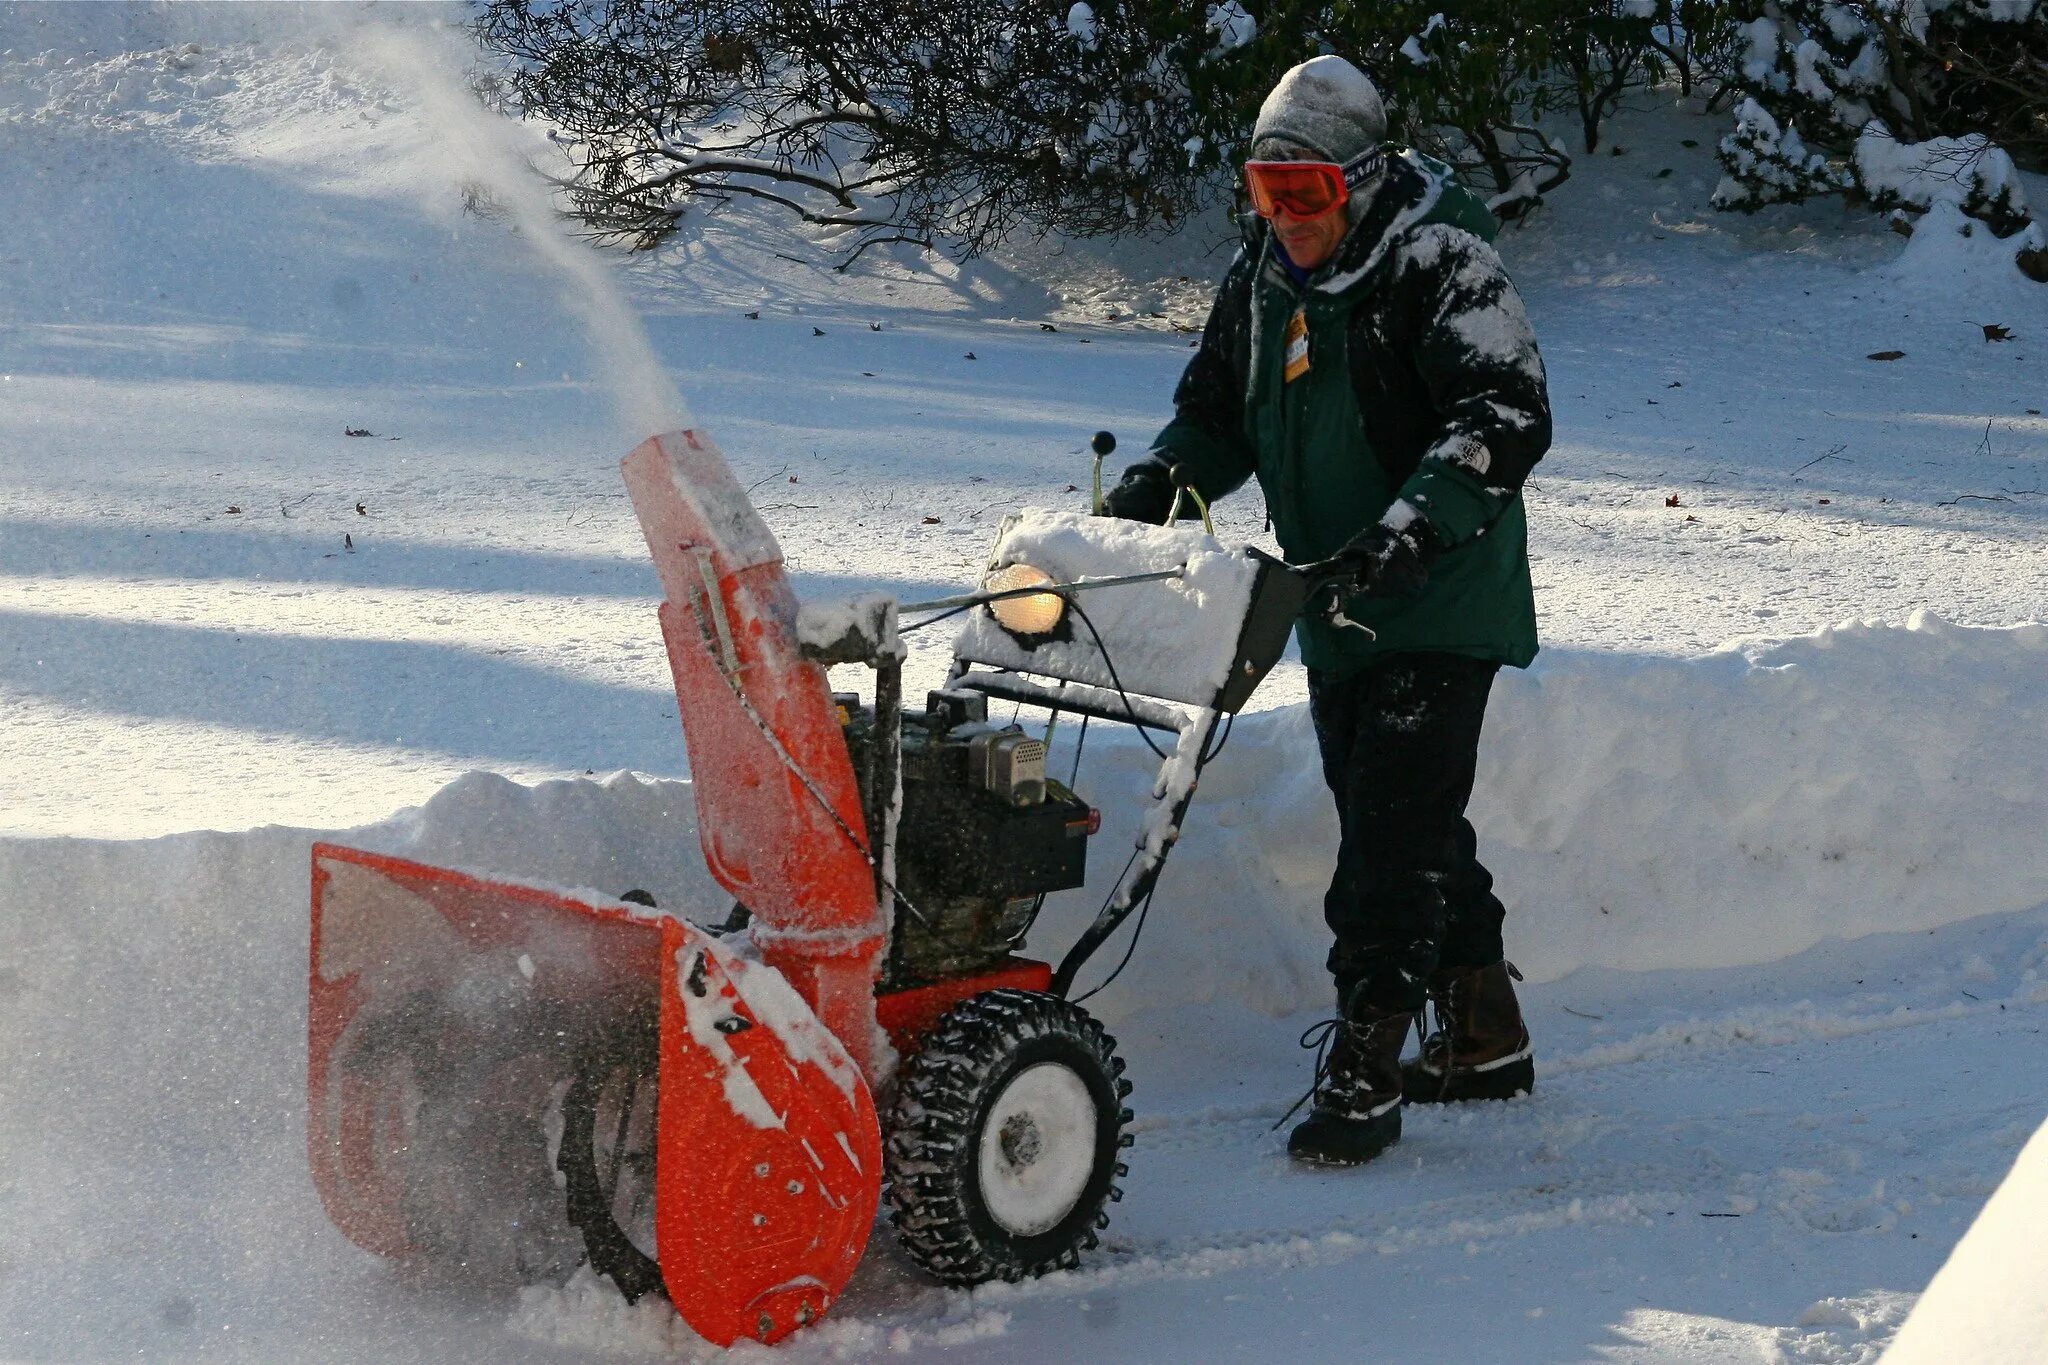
[1423, 384]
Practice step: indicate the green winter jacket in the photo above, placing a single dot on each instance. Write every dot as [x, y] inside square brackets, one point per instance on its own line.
[1423, 385]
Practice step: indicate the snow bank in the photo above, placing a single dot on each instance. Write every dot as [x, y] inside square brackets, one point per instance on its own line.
[1953, 255]
[1647, 814]
[1989, 1304]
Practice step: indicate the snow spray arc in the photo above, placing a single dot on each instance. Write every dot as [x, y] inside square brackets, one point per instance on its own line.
[484, 149]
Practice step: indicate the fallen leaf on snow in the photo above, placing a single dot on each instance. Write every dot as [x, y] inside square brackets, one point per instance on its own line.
[1672, 501]
[1887, 355]
[357, 431]
[930, 521]
[1994, 332]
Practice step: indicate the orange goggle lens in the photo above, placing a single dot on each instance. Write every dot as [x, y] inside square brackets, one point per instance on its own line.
[1305, 189]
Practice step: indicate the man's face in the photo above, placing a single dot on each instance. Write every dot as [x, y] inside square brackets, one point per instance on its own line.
[1312, 241]
[1310, 238]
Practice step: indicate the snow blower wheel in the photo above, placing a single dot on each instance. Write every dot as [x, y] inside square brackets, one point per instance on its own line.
[607, 1158]
[1003, 1140]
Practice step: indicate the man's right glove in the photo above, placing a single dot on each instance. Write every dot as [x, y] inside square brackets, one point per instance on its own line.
[1387, 560]
[1146, 494]
[1390, 562]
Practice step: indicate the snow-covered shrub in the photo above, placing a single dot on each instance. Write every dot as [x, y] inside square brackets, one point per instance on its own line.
[1898, 104]
[1481, 84]
[887, 119]
[1698, 40]
[1466, 83]
[935, 122]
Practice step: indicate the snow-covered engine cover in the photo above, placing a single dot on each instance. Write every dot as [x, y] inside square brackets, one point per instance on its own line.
[1177, 639]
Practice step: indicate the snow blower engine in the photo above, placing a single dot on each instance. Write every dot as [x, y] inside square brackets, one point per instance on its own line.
[518, 1080]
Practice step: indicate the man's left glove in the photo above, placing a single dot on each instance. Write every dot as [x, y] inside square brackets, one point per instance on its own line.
[1146, 494]
[1384, 560]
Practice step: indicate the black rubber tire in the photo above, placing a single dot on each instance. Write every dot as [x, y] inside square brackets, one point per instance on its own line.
[936, 1124]
[465, 1119]
[625, 1054]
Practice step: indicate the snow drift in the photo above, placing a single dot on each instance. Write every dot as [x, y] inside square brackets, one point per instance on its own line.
[1989, 1304]
[1656, 813]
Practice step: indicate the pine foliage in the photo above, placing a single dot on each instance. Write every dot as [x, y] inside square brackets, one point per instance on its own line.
[1897, 104]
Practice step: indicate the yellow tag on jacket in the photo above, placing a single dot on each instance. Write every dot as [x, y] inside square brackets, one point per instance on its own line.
[1297, 345]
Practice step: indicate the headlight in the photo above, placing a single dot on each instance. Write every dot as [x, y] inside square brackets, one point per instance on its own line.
[1029, 614]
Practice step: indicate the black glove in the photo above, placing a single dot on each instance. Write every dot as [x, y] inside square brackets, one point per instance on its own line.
[1381, 561]
[1146, 494]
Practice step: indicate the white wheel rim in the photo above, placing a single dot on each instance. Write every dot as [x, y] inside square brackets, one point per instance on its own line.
[1037, 1149]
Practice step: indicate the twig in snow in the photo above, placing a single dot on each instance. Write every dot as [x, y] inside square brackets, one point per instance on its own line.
[767, 478]
[1973, 497]
[1720, 1215]
[1580, 1014]
[1979, 1001]
[1835, 454]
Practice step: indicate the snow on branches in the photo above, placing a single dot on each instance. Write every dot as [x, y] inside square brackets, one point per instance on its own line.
[885, 120]
[1902, 105]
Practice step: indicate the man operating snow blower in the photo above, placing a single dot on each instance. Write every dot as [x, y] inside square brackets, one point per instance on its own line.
[1368, 360]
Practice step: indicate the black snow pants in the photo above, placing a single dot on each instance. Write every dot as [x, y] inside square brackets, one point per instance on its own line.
[1400, 741]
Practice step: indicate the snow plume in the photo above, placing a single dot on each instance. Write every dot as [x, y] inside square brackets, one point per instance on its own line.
[349, 102]
[484, 150]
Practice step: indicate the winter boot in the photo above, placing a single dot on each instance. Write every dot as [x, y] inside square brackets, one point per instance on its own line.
[1357, 1094]
[1480, 1049]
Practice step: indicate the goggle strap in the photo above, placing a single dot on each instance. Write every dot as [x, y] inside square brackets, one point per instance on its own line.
[1364, 168]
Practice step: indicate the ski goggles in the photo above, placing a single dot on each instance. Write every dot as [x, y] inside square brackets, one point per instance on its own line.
[1306, 189]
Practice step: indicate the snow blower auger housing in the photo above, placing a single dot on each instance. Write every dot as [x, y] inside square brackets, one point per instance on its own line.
[517, 1079]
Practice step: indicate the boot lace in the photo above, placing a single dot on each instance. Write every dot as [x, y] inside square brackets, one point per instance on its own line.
[1320, 1036]
[1325, 1036]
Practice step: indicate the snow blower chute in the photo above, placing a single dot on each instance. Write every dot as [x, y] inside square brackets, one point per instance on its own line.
[517, 1079]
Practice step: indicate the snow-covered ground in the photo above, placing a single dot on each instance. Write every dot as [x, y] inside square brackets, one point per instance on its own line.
[1780, 889]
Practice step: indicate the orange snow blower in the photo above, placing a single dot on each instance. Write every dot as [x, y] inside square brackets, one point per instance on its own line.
[519, 1079]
